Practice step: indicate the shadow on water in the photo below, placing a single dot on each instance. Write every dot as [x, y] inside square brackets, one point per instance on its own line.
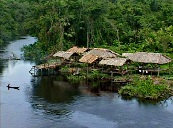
[162, 102]
[1, 67]
[51, 95]
[53, 90]
[98, 86]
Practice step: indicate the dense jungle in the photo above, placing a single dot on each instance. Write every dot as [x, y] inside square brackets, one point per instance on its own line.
[120, 25]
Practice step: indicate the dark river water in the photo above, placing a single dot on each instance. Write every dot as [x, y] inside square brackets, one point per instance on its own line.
[51, 102]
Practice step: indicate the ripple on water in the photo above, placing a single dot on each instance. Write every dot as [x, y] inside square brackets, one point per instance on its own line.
[92, 121]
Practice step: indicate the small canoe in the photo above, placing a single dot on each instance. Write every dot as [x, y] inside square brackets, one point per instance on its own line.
[12, 87]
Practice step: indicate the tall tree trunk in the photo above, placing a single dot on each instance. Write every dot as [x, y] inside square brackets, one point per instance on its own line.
[61, 37]
[88, 39]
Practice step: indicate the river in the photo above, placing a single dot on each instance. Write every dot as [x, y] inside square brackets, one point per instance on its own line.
[51, 102]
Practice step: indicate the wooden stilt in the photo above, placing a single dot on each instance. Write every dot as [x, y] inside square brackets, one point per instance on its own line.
[34, 70]
[169, 69]
[158, 73]
[111, 75]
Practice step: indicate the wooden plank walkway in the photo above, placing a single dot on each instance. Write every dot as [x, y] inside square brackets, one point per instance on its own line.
[47, 65]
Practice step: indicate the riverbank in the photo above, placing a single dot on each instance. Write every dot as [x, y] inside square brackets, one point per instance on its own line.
[11, 51]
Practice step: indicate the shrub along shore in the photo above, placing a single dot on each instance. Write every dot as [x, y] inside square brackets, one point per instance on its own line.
[148, 88]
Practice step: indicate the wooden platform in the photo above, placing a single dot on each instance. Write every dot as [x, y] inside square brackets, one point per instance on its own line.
[40, 70]
[47, 65]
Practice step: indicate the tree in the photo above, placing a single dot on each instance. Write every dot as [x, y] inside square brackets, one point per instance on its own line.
[12, 19]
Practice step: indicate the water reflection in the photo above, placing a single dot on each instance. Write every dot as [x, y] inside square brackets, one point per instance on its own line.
[167, 103]
[51, 95]
[53, 90]
[1, 67]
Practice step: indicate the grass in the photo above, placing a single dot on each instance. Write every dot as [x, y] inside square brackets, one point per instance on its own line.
[146, 88]
[75, 79]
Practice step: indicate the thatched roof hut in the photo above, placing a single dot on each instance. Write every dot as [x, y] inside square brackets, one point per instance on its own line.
[77, 50]
[65, 55]
[113, 61]
[102, 53]
[97, 53]
[89, 58]
[145, 57]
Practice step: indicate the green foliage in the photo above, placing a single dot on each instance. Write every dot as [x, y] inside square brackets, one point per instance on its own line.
[12, 19]
[75, 79]
[34, 51]
[79, 65]
[161, 40]
[83, 75]
[134, 25]
[146, 89]
[64, 69]
[96, 75]
[119, 25]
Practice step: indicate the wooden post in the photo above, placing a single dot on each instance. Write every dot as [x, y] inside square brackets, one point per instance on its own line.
[87, 75]
[111, 75]
[48, 71]
[34, 70]
[158, 73]
[169, 69]
[127, 70]
[111, 80]
[121, 71]
[53, 71]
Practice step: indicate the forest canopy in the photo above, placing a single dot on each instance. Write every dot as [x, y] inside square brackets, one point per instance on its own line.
[13, 14]
[121, 25]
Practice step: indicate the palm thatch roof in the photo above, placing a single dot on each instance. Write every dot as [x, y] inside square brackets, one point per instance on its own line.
[145, 57]
[89, 58]
[102, 53]
[63, 54]
[113, 61]
[77, 50]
